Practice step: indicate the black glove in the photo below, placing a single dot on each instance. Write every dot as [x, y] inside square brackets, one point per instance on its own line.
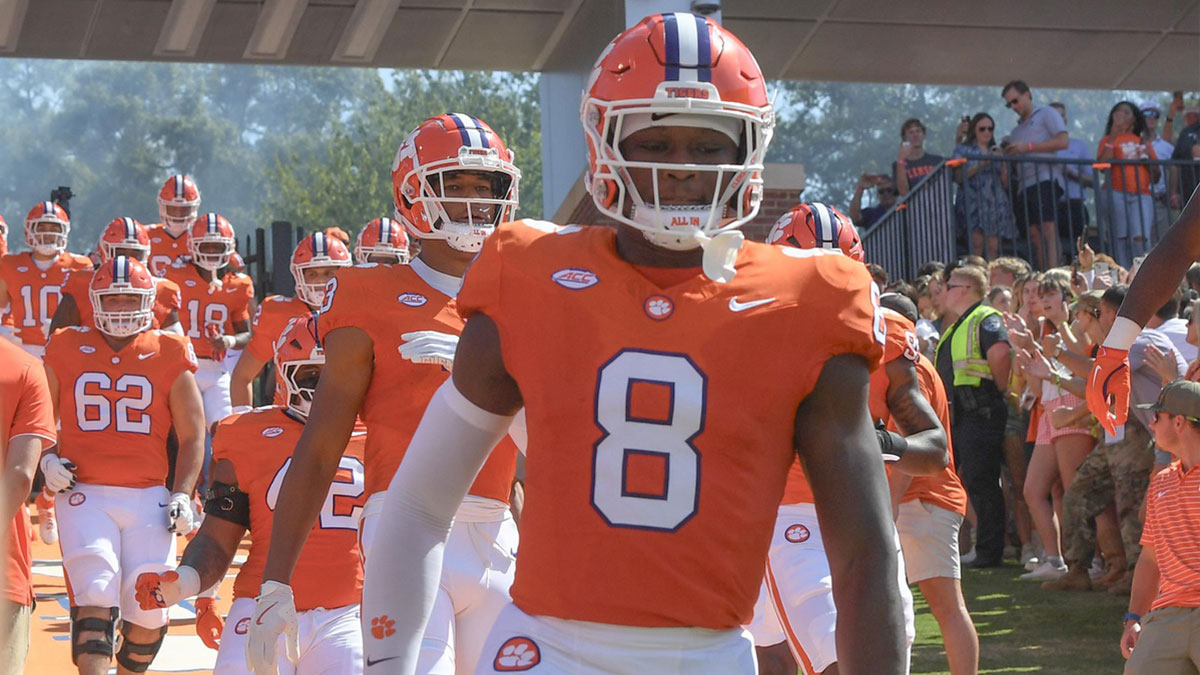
[891, 444]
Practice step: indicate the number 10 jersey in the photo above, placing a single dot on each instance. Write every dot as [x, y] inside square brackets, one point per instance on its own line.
[661, 419]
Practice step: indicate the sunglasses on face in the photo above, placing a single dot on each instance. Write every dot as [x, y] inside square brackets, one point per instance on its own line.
[1150, 113]
[1011, 103]
[983, 129]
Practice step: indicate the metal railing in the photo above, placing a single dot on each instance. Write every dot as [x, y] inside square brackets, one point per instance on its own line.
[1117, 206]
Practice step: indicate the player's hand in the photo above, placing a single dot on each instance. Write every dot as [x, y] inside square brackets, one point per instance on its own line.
[179, 513]
[208, 623]
[220, 342]
[1108, 388]
[274, 613]
[59, 473]
[158, 590]
[429, 346]
[1129, 637]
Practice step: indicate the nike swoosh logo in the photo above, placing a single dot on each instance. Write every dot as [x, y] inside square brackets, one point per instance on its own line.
[143, 357]
[258, 621]
[372, 662]
[163, 506]
[735, 306]
[659, 116]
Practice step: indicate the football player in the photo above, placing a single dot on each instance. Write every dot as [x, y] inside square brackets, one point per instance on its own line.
[796, 604]
[178, 206]
[252, 452]
[383, 241]
[663, 414]
[117, 389]
[216, 308]
[389, 333]
[31, 282]
[127, 237]
[1157, 279]
[314, 261]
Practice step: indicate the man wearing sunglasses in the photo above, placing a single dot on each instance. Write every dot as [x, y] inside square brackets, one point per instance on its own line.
[1039, 134]
[886, 191]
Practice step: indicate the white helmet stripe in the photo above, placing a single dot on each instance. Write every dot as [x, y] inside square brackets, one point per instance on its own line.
[179, 194]
[826, 226]
[319, 247]
[130, 230]
[472, 133]
[689, 52]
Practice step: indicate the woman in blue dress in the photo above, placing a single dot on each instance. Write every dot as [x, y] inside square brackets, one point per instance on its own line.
[983, 202]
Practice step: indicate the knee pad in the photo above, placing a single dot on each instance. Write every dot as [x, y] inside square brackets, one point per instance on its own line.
[102, 646]
[128, 648]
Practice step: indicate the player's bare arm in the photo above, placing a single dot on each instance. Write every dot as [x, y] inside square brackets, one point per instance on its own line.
[187, 416]
[486, 383]
[67, 314]
[212, 549]
[1164, 267]
[999, 358]
[349, 357]
[20, 464]
[838, 448]
[241, 382]
[926, 452]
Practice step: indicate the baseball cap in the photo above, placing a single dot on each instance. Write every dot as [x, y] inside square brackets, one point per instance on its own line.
[1150, 105]
[1181, 397]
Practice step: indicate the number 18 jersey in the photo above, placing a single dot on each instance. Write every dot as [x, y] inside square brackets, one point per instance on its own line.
[661, 419]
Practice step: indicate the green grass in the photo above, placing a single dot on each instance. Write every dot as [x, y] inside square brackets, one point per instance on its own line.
[1023, 629]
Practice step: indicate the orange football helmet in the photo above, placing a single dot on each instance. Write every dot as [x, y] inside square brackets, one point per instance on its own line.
[676, 70]
[382, 237]
[816, 225]
[316, 250]
[44, 241]
[122, 276]
[442, 144]
[211, 228]
[126, 234]
[296, 348]
[178, 204]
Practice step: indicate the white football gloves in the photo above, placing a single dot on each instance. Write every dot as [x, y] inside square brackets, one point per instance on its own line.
[179, 513]
[274, 613]
[429, 346]
[59, 473]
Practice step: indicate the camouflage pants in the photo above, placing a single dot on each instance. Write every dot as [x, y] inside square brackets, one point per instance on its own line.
[1116, 472]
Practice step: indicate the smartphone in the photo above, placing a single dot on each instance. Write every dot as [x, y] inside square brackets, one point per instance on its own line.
[1101, 269]
[1137, 264]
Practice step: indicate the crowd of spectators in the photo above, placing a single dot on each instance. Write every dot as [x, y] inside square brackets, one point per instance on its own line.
[1047, 485]
[1016, 194]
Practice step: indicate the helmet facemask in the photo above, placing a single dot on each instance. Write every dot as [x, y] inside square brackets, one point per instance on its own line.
[479, 216]
[300, 380]
[211, 261]
[126, 322]
[47, 242]
[313, 294]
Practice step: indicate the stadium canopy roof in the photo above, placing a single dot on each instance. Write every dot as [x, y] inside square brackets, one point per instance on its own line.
[1095, 44]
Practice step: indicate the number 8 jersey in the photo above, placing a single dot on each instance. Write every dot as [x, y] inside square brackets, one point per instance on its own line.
[113, 406]
[660, 419]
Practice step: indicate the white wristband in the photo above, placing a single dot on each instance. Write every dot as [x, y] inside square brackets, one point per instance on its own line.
[189, 581]
[1122, 334]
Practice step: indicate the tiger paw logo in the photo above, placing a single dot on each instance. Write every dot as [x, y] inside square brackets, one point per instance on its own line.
[242, 627]
[382, 626]
[796, 533]
[76, 498]
[519, 653]
[659, 307]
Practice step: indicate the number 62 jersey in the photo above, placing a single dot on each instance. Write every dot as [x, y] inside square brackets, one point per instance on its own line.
[661, 418]
[114, 406]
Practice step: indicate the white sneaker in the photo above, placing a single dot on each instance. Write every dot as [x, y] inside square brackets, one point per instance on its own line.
[1097, 569]
[1029, 557]
[1050, 570]
[967, 558]
[47, 526]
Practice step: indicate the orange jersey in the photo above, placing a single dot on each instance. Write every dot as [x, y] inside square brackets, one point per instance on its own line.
[167, 252]
[25, 409]
[661, 419]
[204, 304]
[113, 406]
[329, 572]
[33, 294]
[270, 319]
[78, 286]
[942, 489]
[387, 301]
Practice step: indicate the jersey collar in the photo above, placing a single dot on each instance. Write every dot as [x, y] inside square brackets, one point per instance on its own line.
[446, 284]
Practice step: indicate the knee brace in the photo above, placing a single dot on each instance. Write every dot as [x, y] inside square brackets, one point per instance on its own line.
[103, 646]
[128, 648]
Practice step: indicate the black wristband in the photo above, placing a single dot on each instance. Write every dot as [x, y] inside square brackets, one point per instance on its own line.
[891, 444]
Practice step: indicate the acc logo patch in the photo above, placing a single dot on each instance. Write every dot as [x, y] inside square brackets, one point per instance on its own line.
[659, 307]
[575, 278]
[76, 498]
[156, 240]
[242, 626]
[517, 654]
[797, 533]
[22, 269]
[272, 432]
[382, 626]
[87, 349]
[189, 282]
[412, 299]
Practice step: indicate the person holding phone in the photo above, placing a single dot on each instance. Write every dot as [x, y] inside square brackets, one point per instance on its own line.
[912, 162]
[885, 189]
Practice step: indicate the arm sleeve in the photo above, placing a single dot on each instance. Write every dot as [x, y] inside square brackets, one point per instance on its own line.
[450, 445]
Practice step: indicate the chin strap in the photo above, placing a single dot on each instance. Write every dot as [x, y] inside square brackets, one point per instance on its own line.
[720, 254]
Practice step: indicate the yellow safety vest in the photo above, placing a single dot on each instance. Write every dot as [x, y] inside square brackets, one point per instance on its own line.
[970, 363]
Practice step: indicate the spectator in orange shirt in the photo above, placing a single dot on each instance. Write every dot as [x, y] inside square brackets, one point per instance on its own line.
[1131, 208]
[27, 425]
[1166, 586]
